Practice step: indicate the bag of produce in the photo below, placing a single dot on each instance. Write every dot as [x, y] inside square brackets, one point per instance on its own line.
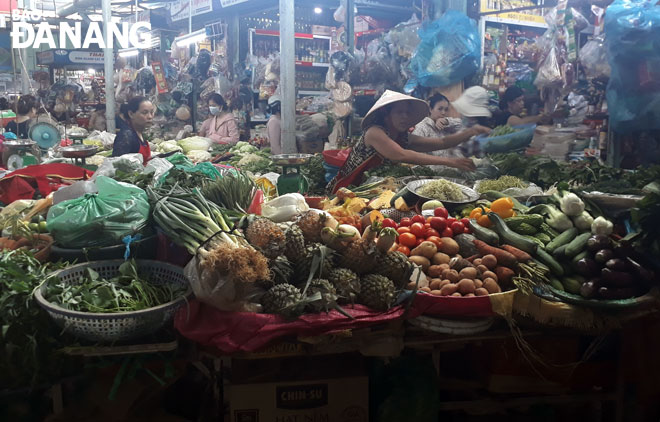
[450, 50]
[101, 219]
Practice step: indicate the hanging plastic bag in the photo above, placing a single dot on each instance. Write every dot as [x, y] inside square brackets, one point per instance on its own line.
[593, 57]
[633, 46]
[101, 219]
[450, 50]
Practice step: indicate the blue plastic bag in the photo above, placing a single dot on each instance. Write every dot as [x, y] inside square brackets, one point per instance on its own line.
[633, 45]
[449, 50]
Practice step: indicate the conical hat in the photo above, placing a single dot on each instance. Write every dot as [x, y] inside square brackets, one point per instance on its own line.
[418, 108]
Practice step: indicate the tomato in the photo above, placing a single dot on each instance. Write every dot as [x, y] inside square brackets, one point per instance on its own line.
[436, 240]
[427, 226]
[465, 221]
[450, 221]
[468, 230]
[457, 227]
[418, 219]
[388, 222]
[417, 229]
[404, 250]
[419, 242]
[447, 232]
[405, 222]
[428, 219]
[407, 239]
[438, 223]
[402, 230]
[441, 212]
[431, 232]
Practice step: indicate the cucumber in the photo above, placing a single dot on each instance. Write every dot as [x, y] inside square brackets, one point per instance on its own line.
[548, 230]
[531, 219]
[555, 267]
[559, 252]
[535, 240]
[510, 237]
[484, 234]
[543, 238]
[577, 245]
[581, 255]
[571, 285]
[562, 239]
[556, 283]
[523, 228]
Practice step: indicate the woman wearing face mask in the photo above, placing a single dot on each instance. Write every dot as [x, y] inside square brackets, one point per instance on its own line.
[386, 138]
[26, 110]
[138, 114]
[221, 127]
[512, 104]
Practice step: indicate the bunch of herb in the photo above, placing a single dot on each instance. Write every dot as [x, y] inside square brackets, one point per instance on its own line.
[398, 171]
[29, 341]
[139, 179]
[315, 174]
[128, 291]
[645, 216]
[188, 179]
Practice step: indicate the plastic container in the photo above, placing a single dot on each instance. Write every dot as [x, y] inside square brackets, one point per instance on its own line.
[336, 157]
[330, 171]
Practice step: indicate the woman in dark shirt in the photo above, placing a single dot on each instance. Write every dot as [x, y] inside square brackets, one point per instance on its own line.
[26, 109]
[138, 113]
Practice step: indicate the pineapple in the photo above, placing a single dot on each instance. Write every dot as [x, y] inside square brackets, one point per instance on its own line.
[347, 284]
[283, 299]
[395, 266]
[359, 255]
[265, 235]
[304, 264]
[294, 248]
[281, 272]
[327, 295]
[311, 223]
[377, 292]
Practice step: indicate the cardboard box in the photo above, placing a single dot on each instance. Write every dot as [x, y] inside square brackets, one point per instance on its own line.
[323, 400]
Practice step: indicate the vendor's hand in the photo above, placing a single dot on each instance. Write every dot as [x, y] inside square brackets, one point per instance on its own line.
[463, 164]
[478, 130]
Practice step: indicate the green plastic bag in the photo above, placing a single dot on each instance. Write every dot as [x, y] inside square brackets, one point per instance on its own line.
[101, 219]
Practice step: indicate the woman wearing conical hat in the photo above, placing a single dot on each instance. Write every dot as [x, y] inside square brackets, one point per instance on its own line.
[386, 138]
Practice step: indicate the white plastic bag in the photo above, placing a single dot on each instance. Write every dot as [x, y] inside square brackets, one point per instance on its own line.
[285, 207]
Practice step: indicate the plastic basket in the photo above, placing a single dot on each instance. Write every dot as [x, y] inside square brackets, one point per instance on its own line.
[111, 327]
[521, 138]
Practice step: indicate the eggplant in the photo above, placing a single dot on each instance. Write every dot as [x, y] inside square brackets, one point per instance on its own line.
[616, 264]
[588, 290]
[647, 276]
[587, 267]
[614, 293]
[616, 278]
[603, 255]
[598, 242]
[622, 250]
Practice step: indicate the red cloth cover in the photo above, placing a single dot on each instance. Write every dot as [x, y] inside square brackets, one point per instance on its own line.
[233, 332]
[23, 183]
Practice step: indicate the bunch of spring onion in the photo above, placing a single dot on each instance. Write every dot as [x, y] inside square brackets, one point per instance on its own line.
[189, 220]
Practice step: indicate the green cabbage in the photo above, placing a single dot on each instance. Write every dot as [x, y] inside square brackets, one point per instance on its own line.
[195, 143]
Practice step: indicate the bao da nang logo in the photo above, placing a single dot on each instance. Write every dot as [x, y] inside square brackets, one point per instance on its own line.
[26, 33]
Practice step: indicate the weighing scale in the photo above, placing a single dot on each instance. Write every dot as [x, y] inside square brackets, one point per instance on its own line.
[19, 153]
[291, 180]
[79, 153]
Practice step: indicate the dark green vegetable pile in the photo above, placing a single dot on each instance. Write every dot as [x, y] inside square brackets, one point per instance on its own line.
[128, 291]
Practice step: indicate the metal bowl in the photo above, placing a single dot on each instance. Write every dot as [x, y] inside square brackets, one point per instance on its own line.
[469, 194]
[79, 151]
[19, 143]
[291, 159]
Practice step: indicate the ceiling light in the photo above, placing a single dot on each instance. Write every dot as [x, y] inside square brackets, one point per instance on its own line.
[318, 10]
[129, 52]
[191, 38]
[91, 71]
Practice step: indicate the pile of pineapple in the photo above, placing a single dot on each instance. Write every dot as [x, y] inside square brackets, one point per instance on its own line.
[317, 265]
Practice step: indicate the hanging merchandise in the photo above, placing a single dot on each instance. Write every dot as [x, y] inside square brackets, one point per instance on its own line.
[633, 45]
[159, 76]
[145, 80]
[593, 58]
[450, 50]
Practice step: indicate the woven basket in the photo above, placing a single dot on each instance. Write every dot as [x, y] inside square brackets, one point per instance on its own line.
[452, 326]
[111, 327]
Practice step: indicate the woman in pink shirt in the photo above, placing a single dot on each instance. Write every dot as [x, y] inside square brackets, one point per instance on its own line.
[221, 127]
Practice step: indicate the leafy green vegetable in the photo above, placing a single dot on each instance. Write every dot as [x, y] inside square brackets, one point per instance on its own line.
[139, 179]
[501, 131]
[315, 174]
[233, 191]
[29, 342]
[128, 291]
